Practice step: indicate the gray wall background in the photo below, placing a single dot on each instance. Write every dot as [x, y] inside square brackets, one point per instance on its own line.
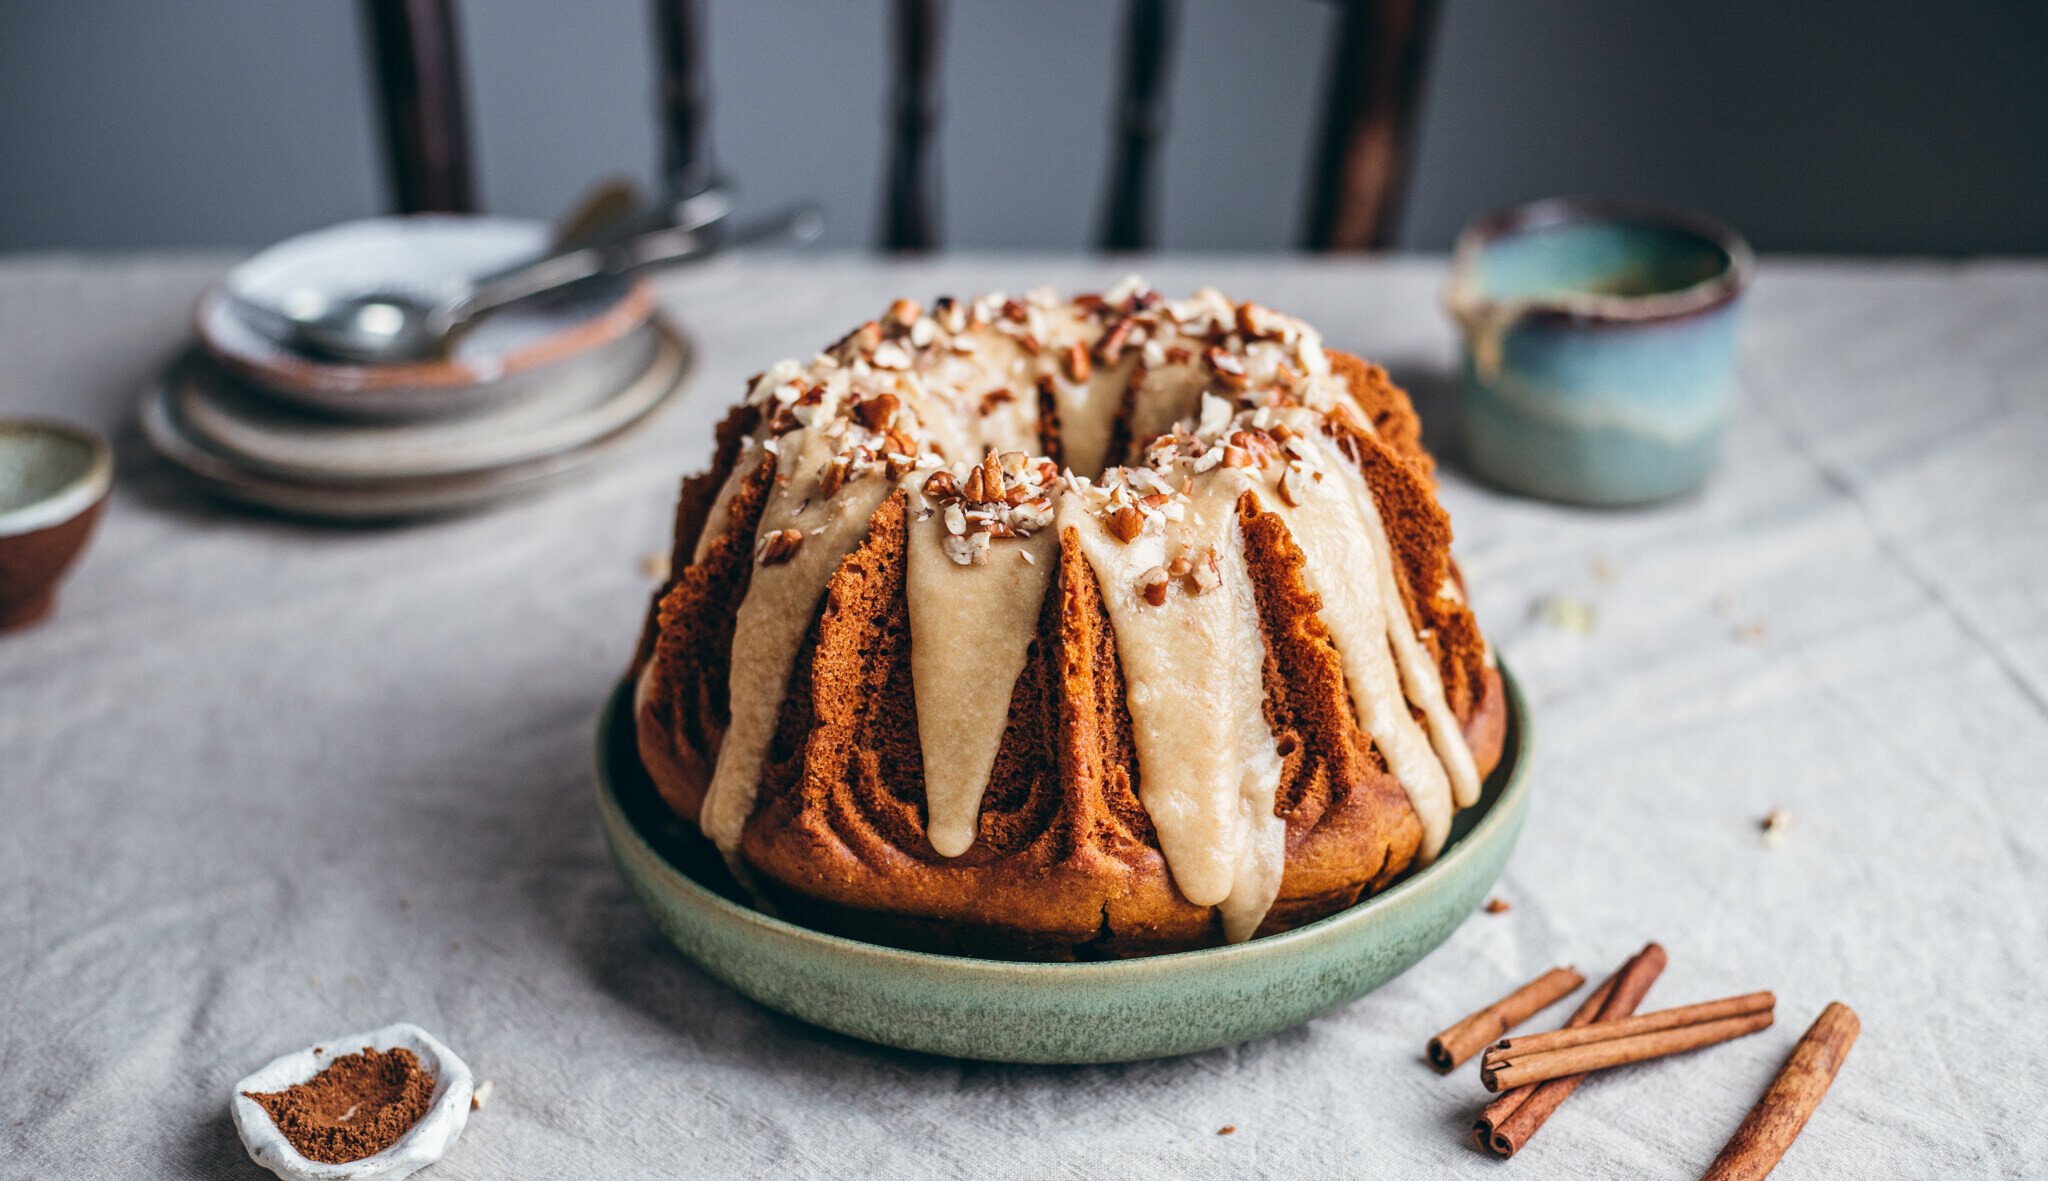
[1887, 126]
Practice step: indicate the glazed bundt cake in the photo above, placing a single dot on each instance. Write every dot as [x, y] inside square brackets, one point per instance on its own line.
[1067, 629]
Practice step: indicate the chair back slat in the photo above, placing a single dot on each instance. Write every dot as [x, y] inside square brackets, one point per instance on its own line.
[1376, 74]
[418, 65]
[1375, 79]
[1129, 221]
[687, 162]
[910, 207]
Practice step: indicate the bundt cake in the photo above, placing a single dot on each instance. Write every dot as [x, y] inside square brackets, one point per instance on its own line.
[1051, 629]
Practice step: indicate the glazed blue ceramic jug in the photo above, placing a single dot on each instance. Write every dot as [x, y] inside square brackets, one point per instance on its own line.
[1599, 362]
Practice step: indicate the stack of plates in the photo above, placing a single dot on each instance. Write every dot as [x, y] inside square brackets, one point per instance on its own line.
[533, 395]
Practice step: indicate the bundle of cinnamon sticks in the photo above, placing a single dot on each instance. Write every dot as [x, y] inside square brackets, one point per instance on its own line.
[1534, 1075]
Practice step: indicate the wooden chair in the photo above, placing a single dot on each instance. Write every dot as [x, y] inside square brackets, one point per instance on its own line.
[1374, 76]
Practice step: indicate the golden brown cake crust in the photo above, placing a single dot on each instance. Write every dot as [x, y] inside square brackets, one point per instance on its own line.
[1065, 863]
[687, 707]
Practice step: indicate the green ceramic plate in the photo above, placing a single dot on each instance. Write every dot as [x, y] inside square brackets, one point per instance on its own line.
[1112, 1011]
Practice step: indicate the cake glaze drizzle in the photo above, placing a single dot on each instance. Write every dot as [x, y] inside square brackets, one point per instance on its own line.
[1215, 406]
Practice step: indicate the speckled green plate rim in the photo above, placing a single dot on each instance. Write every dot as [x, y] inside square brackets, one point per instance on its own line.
[1468, 866]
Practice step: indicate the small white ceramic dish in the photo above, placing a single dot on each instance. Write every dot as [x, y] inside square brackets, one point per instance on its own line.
[423, 1144]
[508, 355]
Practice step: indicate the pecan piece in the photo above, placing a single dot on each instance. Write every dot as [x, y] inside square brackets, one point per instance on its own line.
[780, 546]
[904, 312]
[878, 412]
[1077, 365]
[1152, 585]
[1111, 346]
[1293, 488]
[992, 485]
[834, 476]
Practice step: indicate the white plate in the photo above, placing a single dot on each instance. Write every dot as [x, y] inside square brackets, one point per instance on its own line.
[248, 426]
[393, 499]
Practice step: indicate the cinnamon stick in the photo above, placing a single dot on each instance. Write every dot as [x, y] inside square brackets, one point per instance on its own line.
[1600, 1031]
[1500, 1109]
[1477, 1030]
[1518, 1118]
[1777, 1118]
[1620, 1051]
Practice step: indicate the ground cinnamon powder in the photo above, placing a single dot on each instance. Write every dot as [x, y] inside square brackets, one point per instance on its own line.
[355, 1108]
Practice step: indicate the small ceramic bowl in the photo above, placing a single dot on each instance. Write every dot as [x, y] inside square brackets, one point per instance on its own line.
[423, 1144]
[1599, 348]
[1113, 1011]
[54, 480]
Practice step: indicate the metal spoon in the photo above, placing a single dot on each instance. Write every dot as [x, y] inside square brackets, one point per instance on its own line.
[387, 327]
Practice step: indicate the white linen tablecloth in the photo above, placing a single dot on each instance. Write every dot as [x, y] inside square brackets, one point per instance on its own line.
[264, 783]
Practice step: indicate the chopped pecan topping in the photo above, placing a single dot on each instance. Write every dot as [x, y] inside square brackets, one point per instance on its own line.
[878, 412]
[995, 398]
[940, 486]
[904, 313]
[1111, 346]
[1228, 367]
[780, 546]
[991, 478]
[1077, 362]
[1293, 489]
[969, 549]
[1258, 323]
[1126, 523]
[834, 476]
[858, 343]
[1152, 585]
[1255, 443]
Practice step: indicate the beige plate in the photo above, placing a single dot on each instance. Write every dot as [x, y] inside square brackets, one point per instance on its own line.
[609, 391]
[231, 477]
